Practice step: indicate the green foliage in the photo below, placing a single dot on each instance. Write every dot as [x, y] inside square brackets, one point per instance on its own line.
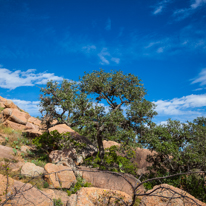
[57, 202]
[48, 141]
[122, 120]
[39, 163]
[1, 109]
[113, 162]
[56, 141]
[46, 184]
[180, 147]
[80, 183]
[15, 151]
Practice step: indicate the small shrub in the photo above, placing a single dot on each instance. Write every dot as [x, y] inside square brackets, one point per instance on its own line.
[1, 109]
[39, 163]
[46, 185]
[114, 162]
[80, 183]
[57, 202]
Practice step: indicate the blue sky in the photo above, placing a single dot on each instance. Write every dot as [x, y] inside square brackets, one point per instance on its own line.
[163, 42]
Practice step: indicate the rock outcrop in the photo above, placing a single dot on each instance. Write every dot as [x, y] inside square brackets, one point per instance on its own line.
[93, 196]
[31, 170]
[110, 180]
[169, 195]
[19, 193]
[56, 179]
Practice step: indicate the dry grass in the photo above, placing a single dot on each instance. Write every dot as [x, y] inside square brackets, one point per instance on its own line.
[14, 138]
[38, 182]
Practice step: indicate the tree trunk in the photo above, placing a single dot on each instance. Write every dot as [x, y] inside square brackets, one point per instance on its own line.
[100, 146]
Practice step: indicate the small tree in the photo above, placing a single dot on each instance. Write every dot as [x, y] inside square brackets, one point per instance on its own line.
[83, 104]
[180, 148]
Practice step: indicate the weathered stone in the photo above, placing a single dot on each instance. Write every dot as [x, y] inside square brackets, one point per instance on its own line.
[14, 125]
[25, 149]
[92, 196]
[62, 128]
[30, 169]
[108, 144]
[26, 194]
[34, 121]
[13, 165]
[141, 160]
[31, 126]
[6, 152]
[172, 197]
[64, 155]
[16, 115]
[2, 105]
[111, 181]
[61, 177]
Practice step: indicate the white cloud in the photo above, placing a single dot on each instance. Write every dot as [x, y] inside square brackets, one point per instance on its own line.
[102, 55]
[198, 89]
[89, 48]
[181, 106]
[184, 13]
[197, 3]
[106, 57]
[116, 60]
[160, 6]
[158, 10]
[160, 50]
[12, 80]
[201, 78]
[29, 106]
[108, 24]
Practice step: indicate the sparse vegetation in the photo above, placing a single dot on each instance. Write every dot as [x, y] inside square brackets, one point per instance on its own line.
[80, 183]
[57, 202]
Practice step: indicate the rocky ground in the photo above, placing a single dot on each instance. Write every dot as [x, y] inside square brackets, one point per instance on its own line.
[25, 179]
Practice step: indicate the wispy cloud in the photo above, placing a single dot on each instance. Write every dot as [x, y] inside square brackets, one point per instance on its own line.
[181, 106]
[106, 57]
[197, 3]
[13, 79]
[181, 14]
[201, 78]
[89, 48]
[102, 55]
[160, 6]
[29, 106]
[116, 60]
[108, 24]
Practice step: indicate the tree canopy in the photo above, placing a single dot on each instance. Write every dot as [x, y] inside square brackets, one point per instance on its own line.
[103, 105]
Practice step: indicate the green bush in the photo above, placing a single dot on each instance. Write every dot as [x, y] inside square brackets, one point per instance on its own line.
[80, 183]
[113, 162]
[57, 202]
[56, 141]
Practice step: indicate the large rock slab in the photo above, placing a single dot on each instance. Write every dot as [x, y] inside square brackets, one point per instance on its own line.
[63, 156]
[6, 152]
[23, 194]
[14, 125]
[59, 176]
[34, 121]
[111, 181]
[141, 160]
[62, 128]
[16, 115]
[108, 144]
[91, 196]
[173, 197]
[30, 169]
